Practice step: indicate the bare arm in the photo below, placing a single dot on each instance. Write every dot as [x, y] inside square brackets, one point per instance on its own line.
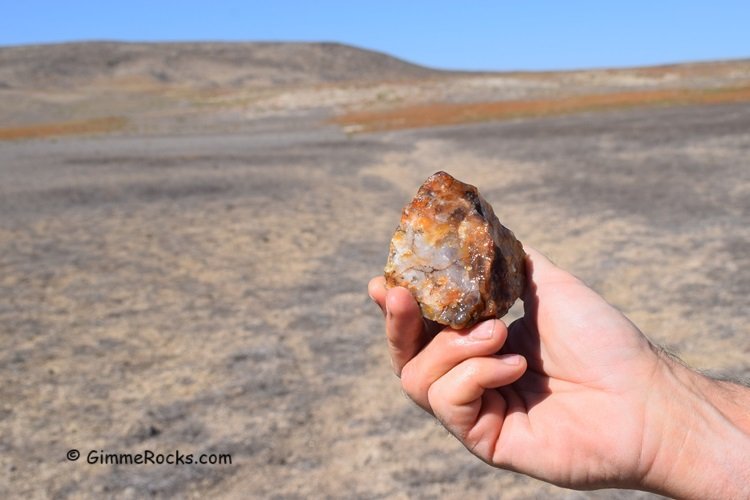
[703, 447]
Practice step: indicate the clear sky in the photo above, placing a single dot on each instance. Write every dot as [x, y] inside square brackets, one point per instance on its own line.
[491, 35]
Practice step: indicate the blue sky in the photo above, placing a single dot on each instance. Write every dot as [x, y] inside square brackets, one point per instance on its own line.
[492, 35]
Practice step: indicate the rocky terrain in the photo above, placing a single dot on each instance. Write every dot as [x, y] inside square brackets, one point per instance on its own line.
[191, 276]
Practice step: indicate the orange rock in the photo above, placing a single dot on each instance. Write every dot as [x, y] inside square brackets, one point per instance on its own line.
[451, 252]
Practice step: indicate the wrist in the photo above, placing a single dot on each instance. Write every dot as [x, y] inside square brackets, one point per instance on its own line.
[700, 445]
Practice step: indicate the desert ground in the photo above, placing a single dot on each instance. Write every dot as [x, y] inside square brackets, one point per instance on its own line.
[185, 249]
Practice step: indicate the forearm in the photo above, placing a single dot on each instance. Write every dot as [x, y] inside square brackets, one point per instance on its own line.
[703, 448]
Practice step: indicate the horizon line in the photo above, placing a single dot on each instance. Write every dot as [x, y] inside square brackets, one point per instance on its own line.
[664, 64]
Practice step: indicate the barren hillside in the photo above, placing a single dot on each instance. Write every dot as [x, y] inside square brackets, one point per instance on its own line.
[197, 64]
[206, 87]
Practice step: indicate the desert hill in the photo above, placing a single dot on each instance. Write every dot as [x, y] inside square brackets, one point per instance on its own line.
[197, 87]
[202, 64]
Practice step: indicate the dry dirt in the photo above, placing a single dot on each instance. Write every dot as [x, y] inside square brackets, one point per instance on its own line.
[195, 280]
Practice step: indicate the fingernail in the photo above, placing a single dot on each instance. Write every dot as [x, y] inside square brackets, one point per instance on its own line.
[483, 331]
[511, 359]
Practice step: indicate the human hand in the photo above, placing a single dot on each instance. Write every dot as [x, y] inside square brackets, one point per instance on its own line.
[572, 393]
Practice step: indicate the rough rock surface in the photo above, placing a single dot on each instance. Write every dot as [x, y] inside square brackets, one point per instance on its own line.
[451, 252]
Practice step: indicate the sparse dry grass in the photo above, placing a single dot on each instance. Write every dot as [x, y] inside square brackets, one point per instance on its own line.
[435, 114]
[73, 127]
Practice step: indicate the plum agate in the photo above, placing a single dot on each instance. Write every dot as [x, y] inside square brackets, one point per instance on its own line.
[451, 252]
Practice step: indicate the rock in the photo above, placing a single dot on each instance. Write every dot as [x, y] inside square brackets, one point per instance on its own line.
[451, 252]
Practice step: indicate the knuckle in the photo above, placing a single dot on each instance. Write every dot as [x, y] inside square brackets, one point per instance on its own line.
[470, 367]
[434, 394]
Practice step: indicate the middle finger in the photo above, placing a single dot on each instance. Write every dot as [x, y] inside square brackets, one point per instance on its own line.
[449, 348]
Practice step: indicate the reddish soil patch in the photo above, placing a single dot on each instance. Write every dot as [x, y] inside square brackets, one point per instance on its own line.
[434, 114]
[77, 127]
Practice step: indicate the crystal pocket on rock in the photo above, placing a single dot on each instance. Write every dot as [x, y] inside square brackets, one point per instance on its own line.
[451, 252]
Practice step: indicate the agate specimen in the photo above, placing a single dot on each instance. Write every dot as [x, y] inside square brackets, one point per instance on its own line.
[451, 252]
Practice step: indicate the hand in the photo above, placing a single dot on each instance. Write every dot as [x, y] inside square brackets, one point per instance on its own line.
[572, 393]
